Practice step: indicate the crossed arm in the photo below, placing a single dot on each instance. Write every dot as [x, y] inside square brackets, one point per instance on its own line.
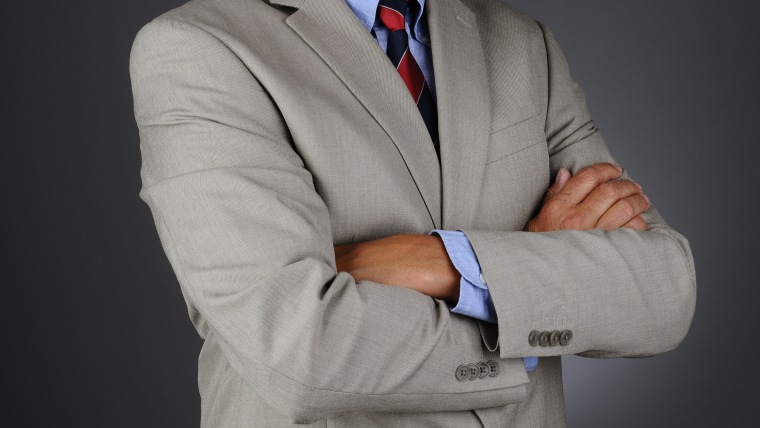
[594, 198]
[250, 240]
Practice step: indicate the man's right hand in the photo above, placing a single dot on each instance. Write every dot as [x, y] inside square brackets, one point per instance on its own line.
[593, 198]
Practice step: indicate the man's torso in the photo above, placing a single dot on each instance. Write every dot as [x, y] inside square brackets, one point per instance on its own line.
[353, 125]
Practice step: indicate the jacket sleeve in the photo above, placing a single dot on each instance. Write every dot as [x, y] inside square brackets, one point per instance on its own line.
[622, 293]
[250, 242]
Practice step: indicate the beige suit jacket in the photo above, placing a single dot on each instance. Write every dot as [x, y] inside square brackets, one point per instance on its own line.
[271, 131]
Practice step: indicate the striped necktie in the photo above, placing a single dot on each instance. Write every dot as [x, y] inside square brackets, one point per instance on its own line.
[392, 13]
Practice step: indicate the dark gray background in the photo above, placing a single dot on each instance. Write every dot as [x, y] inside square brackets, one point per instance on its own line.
[96, 331]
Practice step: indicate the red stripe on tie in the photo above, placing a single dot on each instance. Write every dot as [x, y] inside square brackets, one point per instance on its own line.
[391, 18]
[412, 75]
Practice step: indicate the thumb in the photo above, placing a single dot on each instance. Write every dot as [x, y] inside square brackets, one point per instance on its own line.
[563, 175]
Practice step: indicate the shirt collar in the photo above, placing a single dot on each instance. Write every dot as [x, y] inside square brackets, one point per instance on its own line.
[366, 10]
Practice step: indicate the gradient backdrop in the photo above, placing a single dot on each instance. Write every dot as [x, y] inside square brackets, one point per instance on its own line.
[96, 331]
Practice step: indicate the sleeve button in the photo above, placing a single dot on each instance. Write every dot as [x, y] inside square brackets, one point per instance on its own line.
[494, 369]
[474, 371]
[543, 340]
[554, 337]
[483, 370]
[463, 373]
[533, 338]
[566, 337]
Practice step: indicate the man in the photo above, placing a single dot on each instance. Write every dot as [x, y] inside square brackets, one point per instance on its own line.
[350, 261]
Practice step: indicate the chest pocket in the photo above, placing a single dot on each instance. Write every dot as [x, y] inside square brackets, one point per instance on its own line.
[516, 175]
[514, 138]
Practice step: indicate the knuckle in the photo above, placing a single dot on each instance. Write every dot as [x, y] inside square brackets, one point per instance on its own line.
[627, 208]
[609, 190]
[590, 174]
[631, 186]
[573, 221]
[560, 199]
[638, 223]
[645, 204]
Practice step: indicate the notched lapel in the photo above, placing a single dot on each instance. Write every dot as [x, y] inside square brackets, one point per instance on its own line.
[336, 35]
[464, 115]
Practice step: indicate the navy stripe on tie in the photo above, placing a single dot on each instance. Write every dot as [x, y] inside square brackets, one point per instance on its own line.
[392, 13]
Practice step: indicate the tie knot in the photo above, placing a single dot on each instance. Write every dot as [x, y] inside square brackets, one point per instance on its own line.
[392, 13]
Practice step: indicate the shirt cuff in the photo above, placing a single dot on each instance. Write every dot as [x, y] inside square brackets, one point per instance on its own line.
[530, 363]
[474, 298]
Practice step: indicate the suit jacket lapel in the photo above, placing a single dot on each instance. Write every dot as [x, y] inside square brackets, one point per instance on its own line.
[464, 115]
[334, 32]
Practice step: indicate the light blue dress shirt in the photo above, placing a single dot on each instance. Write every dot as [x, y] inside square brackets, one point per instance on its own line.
[474, 298]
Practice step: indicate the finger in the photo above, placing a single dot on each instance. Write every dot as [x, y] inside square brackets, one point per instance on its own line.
[637, 223]
[623, 211]
[601, 199]
[586, 180]
[563, 175]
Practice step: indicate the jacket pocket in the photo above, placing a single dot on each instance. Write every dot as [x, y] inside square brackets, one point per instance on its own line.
[516, 137]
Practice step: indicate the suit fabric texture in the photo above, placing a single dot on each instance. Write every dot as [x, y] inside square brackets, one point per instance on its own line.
[272, 130]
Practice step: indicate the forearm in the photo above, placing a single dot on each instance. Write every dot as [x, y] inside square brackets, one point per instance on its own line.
[419, 262]
[621, 293]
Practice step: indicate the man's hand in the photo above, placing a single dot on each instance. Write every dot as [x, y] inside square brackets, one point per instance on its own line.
[593, 198]
[419, 262]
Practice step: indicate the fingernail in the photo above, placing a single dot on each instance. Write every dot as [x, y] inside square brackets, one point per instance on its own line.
[646, 198]
[638, 185]
[559, 175]
[619, 168]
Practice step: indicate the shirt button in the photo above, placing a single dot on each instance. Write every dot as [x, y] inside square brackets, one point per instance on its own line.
[483, 280]
[463, 373]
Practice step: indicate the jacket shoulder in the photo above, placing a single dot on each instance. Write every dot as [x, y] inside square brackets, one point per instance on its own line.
[219, 17]
[495, 16]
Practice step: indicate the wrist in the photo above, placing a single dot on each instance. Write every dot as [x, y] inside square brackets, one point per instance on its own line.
[446, 273]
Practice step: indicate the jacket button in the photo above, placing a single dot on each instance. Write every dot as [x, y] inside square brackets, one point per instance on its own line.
[543, 340]
[462, 373]
[533, 338]
[483, 370]
[554, 338]
[566, 337]
[474, 371]
[494, 369]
